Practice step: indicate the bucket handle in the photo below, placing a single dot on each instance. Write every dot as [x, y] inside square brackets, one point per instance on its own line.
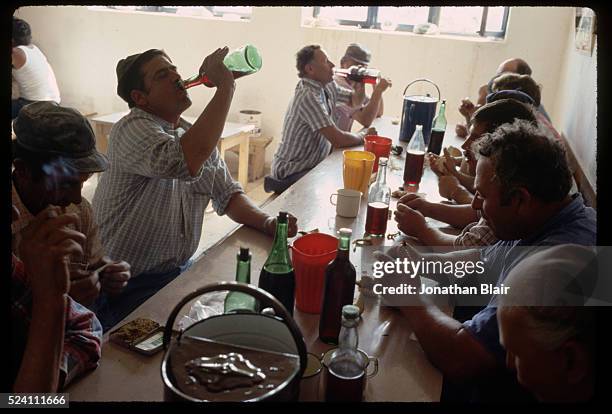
[257, 293]
[423, 80]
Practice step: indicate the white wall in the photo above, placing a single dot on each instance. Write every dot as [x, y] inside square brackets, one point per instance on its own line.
[84, 46]
[577, 105]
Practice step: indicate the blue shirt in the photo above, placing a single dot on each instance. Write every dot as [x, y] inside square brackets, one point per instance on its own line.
[575, 223]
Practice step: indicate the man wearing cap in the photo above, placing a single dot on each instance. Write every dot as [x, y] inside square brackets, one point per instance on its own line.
[164, 171]
[309, 130]
[362, 109]
[54, 153]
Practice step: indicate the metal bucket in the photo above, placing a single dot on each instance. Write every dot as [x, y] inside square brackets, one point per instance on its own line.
[278, 337]
[418, 110]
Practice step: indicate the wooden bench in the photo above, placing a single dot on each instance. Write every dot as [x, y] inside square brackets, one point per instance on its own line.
[234, 135]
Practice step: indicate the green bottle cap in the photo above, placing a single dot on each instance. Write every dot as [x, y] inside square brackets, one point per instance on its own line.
[244, 255]
[344, 232]
[350, 312]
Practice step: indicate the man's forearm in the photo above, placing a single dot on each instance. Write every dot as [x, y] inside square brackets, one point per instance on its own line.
[202, 138]
[341, 139]
[368, 113]
[40, 367]
[457, 216]
[242, 210]
[447, 344]
[431, 236]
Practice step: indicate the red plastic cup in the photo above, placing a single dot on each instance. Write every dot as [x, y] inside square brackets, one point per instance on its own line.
[380, 146]
[311, 254]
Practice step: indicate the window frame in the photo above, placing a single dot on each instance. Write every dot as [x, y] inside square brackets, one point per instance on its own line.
[171, 10]
[372, 22]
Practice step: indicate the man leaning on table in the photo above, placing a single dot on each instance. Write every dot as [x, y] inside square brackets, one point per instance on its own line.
[522, 189]
[164, 171]
[54, 153]
[309, 131]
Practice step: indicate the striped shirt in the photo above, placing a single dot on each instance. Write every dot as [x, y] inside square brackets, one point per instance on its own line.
[148, 207]
[302, 146]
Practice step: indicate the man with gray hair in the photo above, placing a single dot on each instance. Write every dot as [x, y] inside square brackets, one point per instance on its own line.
[547, 332]
[309, 130]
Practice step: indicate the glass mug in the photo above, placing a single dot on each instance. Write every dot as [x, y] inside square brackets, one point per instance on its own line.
[373, 361]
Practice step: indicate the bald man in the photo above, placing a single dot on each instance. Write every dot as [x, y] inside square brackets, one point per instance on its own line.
[467, 107]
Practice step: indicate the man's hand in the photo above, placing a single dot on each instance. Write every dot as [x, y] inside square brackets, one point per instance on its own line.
[270, 225]
[448, 185]
[461, 131]
[367, 131]
[416, 202]
[383, 85]
[410, 221]
[358, 93]
[46, 243]
[466, 108]
[114, 277]
[84, 285]
[449, 163]
[215, 69]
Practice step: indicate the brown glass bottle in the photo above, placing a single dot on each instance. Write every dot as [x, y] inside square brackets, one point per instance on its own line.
[338, 290]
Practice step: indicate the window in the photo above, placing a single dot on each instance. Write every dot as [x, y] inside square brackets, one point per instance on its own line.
[470, 21]
[223, 12]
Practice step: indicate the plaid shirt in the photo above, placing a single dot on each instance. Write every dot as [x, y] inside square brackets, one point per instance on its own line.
[302, 146]
[92, 248]
[476, 234]
[82, 336]
[149, 208]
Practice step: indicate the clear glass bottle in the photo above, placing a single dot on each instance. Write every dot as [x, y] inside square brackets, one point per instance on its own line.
[415, 155]
[379, 198]
[238, 301]
[241, 62]
[359, 74]
[338, 290]
[438, 130]
[346, 370]
[277, 277]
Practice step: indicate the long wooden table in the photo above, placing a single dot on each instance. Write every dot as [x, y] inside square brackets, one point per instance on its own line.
[405, 374]
[234, 134]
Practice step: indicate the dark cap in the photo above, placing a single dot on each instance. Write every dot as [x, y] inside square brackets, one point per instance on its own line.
[126, 71]
[358, 53]
[510, 94]
[47, 128]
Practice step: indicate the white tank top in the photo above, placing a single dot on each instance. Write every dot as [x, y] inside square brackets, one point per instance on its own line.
[35, 78]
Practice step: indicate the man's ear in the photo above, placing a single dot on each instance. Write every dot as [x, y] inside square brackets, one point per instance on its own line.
[139, 97]
[21, 168]
[577, 361]
[521, 198]
[308, 69]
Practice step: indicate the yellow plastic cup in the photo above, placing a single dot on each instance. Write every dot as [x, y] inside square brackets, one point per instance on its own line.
[357, 169]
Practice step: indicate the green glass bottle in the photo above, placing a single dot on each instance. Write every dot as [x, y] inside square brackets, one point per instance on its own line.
[437, 131]
[277, 277]
[241, 62]
[238, 301]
